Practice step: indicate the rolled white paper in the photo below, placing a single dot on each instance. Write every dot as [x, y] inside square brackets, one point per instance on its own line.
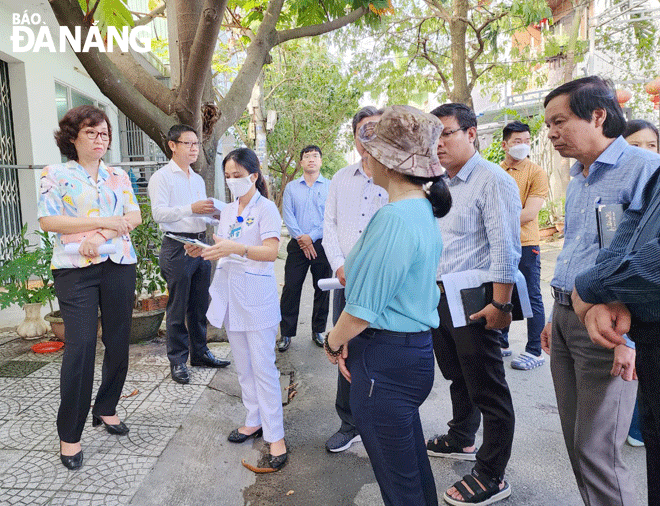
[330, 284]
[104, 249]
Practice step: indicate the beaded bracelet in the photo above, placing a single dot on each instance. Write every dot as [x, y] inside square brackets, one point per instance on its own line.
[329, 350]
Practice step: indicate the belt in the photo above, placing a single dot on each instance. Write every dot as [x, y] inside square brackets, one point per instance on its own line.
[394, 337]
[441, 286]
[562, 297]
[200, 236]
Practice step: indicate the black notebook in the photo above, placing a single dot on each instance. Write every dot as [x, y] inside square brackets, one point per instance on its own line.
[475, 299]
[608, 217]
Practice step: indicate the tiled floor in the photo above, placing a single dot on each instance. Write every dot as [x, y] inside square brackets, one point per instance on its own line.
[152, 405]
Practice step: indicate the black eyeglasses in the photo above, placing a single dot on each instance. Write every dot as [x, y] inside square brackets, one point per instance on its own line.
[448, 133]
[190, 144]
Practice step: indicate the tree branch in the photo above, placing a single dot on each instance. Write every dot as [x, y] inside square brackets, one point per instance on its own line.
[149, 17]
[152, 89]
[443, 78]
[111, 81]
[311, 30]
[189, 98]
[442, 11]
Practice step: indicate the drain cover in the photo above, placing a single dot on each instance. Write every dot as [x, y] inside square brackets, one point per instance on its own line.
[19, 368]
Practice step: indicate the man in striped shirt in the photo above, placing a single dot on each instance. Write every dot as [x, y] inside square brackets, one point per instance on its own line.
[482, 231]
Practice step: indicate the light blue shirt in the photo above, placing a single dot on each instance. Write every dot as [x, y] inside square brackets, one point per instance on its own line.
[482, 228]
[390, 272]
[303, 207]
[617, 176]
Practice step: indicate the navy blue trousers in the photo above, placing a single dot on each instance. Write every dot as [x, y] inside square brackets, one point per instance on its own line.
[391, 376]
[530, 266]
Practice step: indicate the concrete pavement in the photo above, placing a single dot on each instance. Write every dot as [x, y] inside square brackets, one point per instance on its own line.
[177, 453]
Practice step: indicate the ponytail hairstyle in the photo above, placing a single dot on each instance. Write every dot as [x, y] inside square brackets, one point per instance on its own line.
[248, 159]
[436, 191]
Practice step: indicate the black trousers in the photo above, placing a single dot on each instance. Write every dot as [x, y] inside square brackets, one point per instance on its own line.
[343, 399]
[647, 362]
[80, 293]
[188, 280]
[392, 374]
[471, 359]
[295, 272]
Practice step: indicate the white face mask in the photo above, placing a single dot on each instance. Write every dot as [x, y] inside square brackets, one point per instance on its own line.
[519, 151]
[239, 186]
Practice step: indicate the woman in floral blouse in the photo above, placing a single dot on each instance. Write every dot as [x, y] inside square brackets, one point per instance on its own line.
[90, 208]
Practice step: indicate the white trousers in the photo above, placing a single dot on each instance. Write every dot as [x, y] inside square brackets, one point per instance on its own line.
[254, 358]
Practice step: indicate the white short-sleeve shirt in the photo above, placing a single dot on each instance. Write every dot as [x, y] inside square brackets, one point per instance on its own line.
[244, 293]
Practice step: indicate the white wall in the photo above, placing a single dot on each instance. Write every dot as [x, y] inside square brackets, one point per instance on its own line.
[32, 88]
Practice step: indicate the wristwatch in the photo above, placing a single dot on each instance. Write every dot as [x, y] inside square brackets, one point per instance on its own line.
[505, 308]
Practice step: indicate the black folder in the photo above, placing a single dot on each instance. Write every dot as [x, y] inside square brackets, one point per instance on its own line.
[475, 299]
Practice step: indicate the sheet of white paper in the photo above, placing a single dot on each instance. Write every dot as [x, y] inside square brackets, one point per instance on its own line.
[219, 204]
[104, 249]
[330, 284]
[453, 284]
[457, 281]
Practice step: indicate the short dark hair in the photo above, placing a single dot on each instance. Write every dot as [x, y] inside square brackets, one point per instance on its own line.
[249, 160]
[514, 126]
[463, 114]
[73, 122]
[635, 125]
[309, 149]
[175, 132]
[588, 94]
[365, 112]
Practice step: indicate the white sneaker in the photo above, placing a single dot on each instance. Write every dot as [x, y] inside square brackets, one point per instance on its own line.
[526, 361]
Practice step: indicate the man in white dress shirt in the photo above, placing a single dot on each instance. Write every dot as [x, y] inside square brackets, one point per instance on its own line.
[178, 204]
[353, 199]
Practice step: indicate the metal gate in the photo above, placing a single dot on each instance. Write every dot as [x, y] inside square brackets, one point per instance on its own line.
[10, 199]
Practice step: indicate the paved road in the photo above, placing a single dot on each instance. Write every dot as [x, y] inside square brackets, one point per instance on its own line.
[179, 456]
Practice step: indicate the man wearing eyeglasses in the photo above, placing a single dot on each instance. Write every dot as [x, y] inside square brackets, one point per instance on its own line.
[481, 231]
[179, 204]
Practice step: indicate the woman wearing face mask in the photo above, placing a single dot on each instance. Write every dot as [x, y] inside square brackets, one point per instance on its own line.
[644, 135]
[244, 297]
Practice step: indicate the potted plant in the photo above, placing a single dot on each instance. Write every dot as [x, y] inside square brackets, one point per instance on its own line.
[150, 297]
[27, 281]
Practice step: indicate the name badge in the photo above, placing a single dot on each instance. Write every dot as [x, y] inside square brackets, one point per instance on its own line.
[235, 231]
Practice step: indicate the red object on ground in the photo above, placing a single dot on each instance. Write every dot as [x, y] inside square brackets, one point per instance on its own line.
[47, 347]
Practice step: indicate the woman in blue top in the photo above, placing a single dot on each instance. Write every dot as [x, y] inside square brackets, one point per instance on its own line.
[391, 299]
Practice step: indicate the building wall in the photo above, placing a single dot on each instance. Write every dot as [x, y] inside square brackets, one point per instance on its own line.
[32, 85]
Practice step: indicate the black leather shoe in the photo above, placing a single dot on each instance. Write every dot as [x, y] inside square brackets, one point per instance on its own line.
[119, 429]
[180, 373]
[278, 462]
[72, 462]
[284, 344]
[317, 338]
[239, 437]
[209, 360]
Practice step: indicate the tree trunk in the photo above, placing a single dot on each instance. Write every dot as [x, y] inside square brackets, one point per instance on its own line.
[457, 29]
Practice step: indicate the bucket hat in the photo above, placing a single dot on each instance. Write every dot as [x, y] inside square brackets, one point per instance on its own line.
[404, 139]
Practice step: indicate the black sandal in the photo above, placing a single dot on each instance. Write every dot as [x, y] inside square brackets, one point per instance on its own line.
[444, 446]
[487, 490]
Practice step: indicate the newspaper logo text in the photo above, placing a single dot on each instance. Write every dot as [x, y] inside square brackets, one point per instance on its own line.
[27, 38]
